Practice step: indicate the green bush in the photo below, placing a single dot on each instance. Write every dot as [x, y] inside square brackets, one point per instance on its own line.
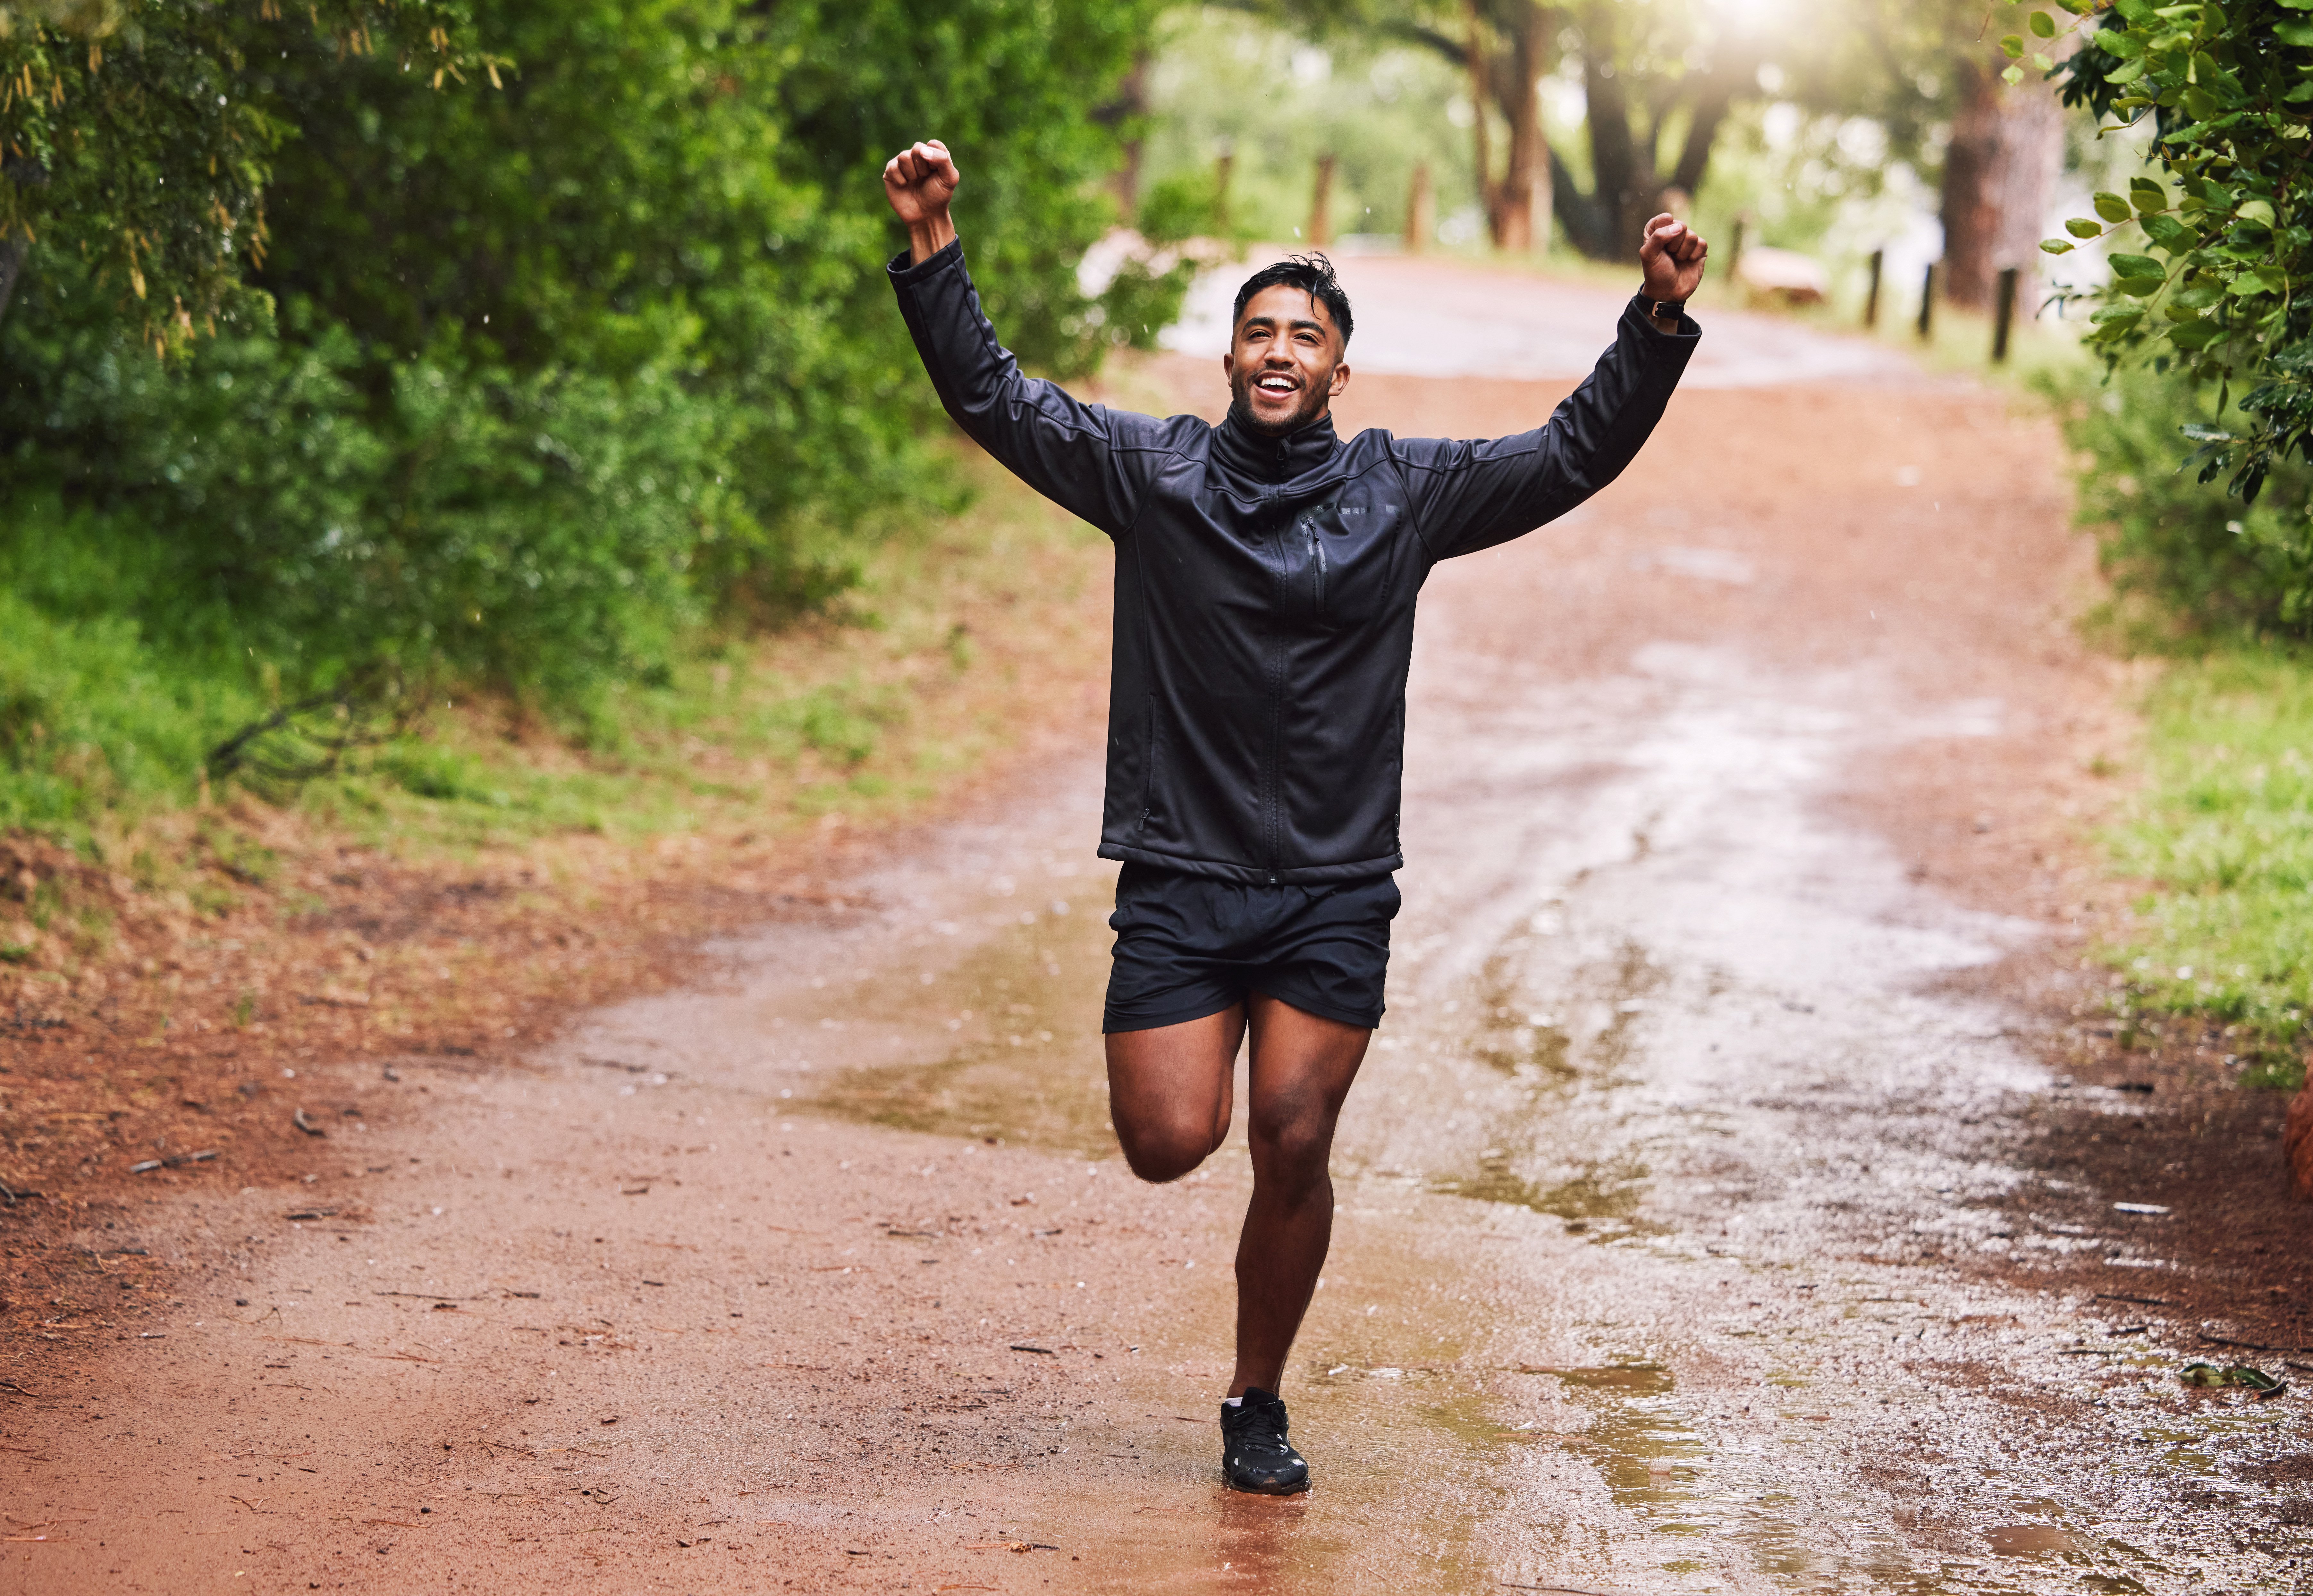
[543, 377]
[2206, 560]
[324, 512]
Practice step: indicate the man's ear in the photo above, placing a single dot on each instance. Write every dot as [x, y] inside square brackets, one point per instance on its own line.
[1341, 380]
[1228, 366]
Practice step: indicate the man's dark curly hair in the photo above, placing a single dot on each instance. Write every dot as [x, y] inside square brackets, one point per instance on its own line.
[1313, 274]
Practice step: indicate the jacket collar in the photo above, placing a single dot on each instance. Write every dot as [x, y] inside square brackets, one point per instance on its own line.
[1266, 459]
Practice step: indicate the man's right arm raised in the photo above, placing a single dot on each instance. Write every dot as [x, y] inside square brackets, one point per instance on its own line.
[1089, 459]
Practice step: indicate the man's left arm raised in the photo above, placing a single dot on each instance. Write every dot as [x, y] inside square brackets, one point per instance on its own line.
[1472, 494]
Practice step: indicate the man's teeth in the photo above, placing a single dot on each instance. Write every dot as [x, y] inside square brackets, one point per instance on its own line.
[1277, 384]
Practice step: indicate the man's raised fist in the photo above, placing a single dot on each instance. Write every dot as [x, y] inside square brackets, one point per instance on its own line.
[919, 181]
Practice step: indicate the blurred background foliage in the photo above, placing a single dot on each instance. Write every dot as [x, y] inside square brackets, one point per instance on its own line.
[533, 379]
[353, 352]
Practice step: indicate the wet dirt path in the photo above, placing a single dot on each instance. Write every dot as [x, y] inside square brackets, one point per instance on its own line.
[1684, 1244]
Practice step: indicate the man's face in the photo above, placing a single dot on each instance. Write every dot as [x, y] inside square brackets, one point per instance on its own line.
[1285, 363]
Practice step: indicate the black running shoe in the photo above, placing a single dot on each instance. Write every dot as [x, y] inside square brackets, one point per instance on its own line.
[1255, 1456]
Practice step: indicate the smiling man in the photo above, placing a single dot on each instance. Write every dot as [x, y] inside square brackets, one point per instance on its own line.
[1266, 579]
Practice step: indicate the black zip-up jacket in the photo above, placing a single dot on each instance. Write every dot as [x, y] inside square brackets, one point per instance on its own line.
[1265, 586]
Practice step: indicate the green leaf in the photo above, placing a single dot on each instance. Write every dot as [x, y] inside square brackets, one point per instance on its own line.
[2201, 103]
[2058, 246]
[2245, 285]
[2299, 4]
[2115, 44]
[2136, 266]
[2257, 210]
[2012, 77]
[2042, 25]
[2168, 232]
[2118, 316]
[2081, 227]
[2199, 296]
[2127, 71]
[2196, 335]
[2012, 46]
[2299, 34]
[2112, 208]
[2137, 287]
[2147, 196]
[2303, 91]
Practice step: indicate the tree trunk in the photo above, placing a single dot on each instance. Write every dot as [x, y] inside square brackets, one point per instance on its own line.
[1321, 205]
[1487, 194]
[1627, 185]
[12, 261]
[1586, 224]
[1524, 203]
[1420, 211]
[1124, 113]
[2000, 173]
[1701, 131]
[25, 174]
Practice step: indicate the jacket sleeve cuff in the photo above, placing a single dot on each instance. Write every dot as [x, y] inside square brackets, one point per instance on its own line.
[1688, 329]
[902, 273]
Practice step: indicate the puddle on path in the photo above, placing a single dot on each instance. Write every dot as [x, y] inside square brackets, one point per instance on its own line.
[1003, 1045]
[1673, 1123]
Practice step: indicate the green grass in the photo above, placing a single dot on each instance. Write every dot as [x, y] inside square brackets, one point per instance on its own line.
[913, 676]
[2223, 829]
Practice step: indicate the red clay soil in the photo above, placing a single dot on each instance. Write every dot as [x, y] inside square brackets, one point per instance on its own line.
[484, 1342]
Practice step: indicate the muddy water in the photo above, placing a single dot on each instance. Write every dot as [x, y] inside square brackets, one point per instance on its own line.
[1669, 1200]
[1657, 1190]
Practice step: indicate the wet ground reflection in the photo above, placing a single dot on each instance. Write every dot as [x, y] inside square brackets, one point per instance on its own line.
[1004, 1043]
[1647, 1204]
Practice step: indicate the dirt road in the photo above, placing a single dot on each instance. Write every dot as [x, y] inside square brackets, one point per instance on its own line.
[1700, 1226]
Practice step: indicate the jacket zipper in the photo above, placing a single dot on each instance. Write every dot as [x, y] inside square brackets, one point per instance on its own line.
[1317, 547]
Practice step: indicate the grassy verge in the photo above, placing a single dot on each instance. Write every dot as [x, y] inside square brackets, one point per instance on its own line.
[180, 967]
[2223, 829]
[965, 630]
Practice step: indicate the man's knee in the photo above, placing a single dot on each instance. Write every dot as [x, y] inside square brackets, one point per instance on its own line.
[1293, 1144]
[1164, 1156]
[1166, 1150]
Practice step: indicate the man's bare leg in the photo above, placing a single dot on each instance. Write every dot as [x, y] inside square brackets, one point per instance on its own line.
[1302, 1068]
[1169, 1092]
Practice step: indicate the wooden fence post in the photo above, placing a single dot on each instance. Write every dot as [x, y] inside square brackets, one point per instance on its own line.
[2003, 313]
[1871, 295]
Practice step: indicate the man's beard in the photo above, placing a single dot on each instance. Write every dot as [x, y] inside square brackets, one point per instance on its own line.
[1241, 412]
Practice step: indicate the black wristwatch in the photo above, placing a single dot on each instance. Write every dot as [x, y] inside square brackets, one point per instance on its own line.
[1673, 308]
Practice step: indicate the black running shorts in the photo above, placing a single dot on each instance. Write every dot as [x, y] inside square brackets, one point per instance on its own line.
[1187, 946]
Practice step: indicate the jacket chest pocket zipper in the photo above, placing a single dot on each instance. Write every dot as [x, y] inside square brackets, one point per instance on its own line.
[1317, 553]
